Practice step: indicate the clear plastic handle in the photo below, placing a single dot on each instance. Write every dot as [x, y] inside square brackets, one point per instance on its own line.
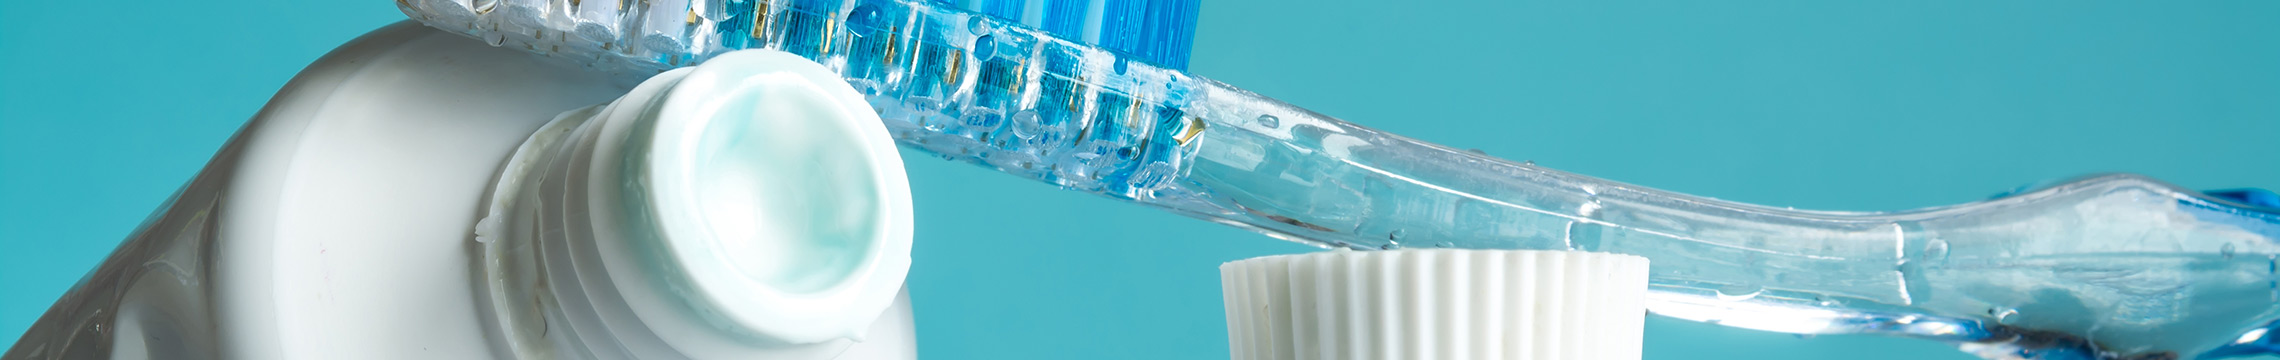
[2114, 266]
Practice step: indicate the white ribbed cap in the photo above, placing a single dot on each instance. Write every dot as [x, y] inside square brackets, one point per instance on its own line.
[1436, 304]
[750, 207]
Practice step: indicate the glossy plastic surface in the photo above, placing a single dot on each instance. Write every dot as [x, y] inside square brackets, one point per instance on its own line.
[338, 223]
[2114, 266]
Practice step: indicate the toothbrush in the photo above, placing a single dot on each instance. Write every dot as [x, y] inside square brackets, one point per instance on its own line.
[1092, 97]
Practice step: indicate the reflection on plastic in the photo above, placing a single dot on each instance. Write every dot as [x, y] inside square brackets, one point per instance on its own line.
[2114, 266]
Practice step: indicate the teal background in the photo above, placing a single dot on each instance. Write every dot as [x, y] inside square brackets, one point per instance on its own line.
[106, 109]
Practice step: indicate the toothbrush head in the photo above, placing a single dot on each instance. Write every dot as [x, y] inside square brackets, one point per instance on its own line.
[642, 38]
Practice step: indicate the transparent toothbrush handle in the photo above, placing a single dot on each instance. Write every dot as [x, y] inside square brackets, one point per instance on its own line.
[2125, 253]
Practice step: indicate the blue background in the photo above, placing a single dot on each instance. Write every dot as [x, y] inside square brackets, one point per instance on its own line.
[106, 109]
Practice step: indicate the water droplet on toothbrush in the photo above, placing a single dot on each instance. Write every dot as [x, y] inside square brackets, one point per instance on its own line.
[1824, 300]
[1269, 121]
[977, 26]
[1025, 124]
[1528, 163]
[1396, 234]
[985, 47]
[1444, 244]
[864, 18]
[1739, 292]
[494, 38]
[1389, 247]
[2227, 251]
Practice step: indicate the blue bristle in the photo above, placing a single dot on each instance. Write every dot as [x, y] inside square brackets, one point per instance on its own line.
[806, 24]
[1157, 31]
[1176, 34]
[1002, 9]
[734, 29]
[1123, 26]
[1065, 19]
